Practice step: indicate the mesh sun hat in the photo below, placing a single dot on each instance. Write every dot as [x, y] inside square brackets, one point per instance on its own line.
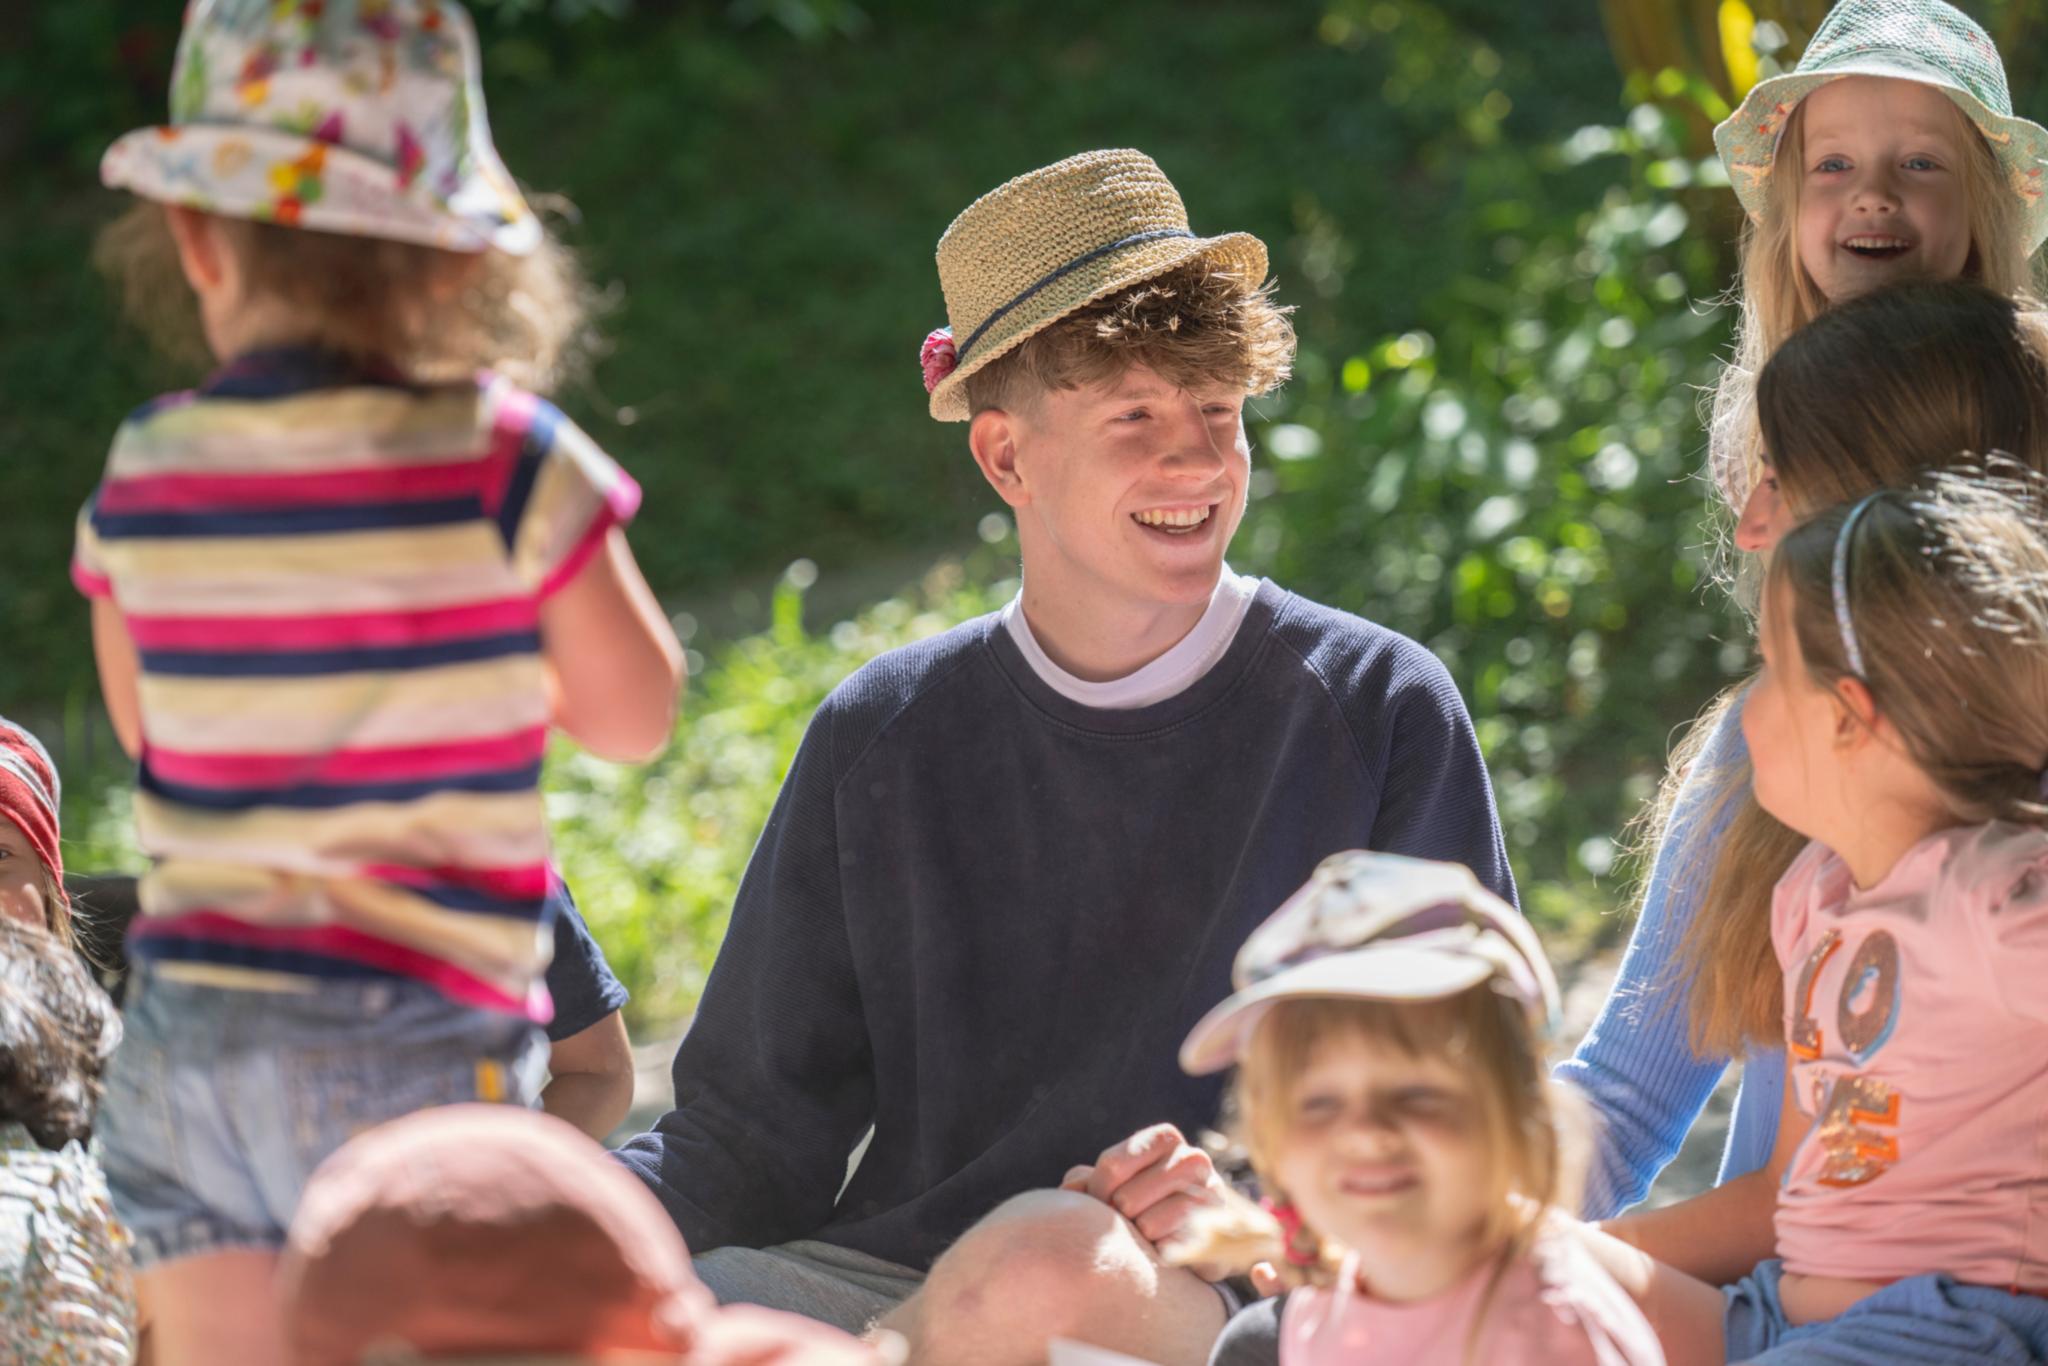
[1377, 927]
[363, 117]
[1911, 40]
[1036, 248]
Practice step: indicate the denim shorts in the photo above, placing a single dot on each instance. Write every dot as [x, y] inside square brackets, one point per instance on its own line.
[1930, 1320]
[221, 1102]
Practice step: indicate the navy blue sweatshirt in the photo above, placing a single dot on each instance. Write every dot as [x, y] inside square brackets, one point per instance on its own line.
[983, 916]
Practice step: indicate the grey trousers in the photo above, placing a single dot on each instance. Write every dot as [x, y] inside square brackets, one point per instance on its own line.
[834, 1285]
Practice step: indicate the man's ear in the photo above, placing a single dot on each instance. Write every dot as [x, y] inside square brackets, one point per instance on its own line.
[200, 252]
[993, 436]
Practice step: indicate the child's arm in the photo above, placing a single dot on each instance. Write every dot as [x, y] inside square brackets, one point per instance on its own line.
[590, 1081]
[616, 665]
[114, 652]
[1721, 1235]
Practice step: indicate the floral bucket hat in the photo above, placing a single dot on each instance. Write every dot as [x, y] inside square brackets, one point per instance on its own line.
[363, 117]
[1909, 40]
[1034, 249]
[1377, 927]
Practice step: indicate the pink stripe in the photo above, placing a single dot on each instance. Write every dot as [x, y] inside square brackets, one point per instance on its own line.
[395, 764]
[337, 631]
[522, 882]
[365, 484]
[346, 945]
[91, 584]
[621, 501]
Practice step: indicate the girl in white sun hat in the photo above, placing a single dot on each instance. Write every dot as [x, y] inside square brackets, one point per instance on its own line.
[1387, 1030]
[340, 593]
[1889, 152]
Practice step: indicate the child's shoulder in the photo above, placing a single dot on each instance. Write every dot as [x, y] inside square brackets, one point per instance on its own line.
[2000, 867]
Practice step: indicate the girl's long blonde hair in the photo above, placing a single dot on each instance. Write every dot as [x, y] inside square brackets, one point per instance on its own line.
[1860, 399]
[1532, 1129]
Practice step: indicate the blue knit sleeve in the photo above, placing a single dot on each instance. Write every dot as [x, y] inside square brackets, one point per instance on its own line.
[1636, 1065]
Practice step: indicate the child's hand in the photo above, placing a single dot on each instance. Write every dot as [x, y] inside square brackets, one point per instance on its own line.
[1155, 1178]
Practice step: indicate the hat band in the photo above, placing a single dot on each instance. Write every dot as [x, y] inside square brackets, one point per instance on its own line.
[1068, 269]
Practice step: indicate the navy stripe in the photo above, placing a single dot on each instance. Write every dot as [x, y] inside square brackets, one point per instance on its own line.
[470, 899]
[1157, 234]
[311, 663]
[325, 796]
[540, 439]
[289, 521]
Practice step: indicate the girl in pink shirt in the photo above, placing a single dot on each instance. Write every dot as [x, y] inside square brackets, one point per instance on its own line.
[1387, 1033]
[1901, 723]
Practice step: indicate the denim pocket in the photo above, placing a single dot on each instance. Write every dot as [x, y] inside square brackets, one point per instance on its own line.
[331, 1093]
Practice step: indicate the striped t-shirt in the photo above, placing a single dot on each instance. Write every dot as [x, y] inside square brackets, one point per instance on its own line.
[333, 580]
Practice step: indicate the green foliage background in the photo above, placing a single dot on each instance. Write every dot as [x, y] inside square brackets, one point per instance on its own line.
[1498, 256]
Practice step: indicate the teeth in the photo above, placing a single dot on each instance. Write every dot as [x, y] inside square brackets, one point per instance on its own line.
[1876, 243]
[1163, 517]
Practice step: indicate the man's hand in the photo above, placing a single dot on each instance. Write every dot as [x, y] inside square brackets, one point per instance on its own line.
[1155, 1178]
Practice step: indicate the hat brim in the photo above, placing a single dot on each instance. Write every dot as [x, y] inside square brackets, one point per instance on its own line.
[1747, 140]
[1379, 971]
[1239, 252]
[225, 169]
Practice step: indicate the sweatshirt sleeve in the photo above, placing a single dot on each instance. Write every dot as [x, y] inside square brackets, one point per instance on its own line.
[774, 1080]
[1435, 800]
[1636, 1065]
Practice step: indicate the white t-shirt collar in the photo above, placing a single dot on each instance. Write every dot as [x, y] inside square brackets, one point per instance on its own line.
[1192, 656]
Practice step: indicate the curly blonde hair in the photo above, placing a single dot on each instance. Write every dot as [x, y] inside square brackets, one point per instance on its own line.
[1198, 325]
[437, 315]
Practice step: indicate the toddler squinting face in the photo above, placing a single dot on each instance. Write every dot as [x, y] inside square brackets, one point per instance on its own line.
[1385, 1153]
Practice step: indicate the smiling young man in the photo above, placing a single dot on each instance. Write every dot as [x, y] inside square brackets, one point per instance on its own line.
[1011, 864]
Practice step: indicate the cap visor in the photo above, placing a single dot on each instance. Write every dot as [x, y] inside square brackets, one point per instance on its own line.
[1380, 972]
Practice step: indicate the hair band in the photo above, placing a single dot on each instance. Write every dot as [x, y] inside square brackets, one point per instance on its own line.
[1843, 622]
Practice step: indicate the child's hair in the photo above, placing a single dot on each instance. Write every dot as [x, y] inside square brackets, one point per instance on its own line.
[1946, 588]
[57, 1029]
[1776, 296]
[1859, 399]
[437, 315]
[1532, 1130]
[1197, 325]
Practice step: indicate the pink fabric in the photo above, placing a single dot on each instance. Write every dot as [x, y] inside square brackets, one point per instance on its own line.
[1554, 1307]
[309, 488]
[391, 763]
[1917, 1022]
[333, 631]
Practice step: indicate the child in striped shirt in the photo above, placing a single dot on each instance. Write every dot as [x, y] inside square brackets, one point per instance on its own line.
[340, 592]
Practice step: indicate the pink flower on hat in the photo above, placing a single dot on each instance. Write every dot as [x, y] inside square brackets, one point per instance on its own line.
[938, 356]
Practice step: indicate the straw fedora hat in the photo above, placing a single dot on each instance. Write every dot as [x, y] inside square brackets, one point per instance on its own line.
[1909, 40]
[1031, 251]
